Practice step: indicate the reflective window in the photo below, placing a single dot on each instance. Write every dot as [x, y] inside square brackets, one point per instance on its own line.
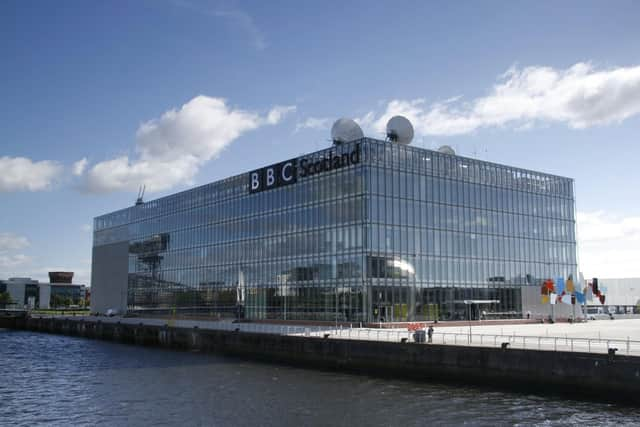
[405, 234]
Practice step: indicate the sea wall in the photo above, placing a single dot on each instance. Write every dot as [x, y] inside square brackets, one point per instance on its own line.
[607, 377]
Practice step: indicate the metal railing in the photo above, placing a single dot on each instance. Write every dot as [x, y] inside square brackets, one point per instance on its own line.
[526, 342]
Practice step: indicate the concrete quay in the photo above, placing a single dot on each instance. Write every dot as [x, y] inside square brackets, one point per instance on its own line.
[610, 377]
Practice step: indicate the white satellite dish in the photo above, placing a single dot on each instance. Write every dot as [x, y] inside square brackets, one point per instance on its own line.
[445, 149]
[400, 130]
[345, 130]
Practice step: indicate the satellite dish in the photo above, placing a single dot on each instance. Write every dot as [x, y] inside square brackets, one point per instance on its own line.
[445, 149]
[345, 130]
[400, 130]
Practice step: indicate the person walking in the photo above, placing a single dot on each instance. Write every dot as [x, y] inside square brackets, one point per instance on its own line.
[430, 334]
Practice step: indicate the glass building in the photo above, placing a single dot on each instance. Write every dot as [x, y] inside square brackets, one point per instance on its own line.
[364, 231]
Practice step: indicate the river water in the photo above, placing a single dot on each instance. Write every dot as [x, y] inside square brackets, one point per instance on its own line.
[57, 380]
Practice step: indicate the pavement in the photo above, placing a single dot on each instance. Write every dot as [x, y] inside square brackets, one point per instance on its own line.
[595, 336]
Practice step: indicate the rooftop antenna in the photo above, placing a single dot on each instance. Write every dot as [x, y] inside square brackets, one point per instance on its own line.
[345, 130]
[399, 130]
[446, 149]
[139, 200]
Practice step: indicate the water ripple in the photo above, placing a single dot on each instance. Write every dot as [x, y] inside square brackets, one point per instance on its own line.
[54, 380]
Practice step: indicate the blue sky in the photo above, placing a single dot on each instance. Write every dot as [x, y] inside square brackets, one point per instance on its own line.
[100, 97]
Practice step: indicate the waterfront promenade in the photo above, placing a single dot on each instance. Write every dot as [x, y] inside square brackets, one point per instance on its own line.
[595, 336]
[506, 359]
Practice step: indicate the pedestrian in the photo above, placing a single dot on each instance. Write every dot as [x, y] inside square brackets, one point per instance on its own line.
[430, 333]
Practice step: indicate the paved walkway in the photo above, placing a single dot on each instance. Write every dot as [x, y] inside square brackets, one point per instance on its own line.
[595, 336]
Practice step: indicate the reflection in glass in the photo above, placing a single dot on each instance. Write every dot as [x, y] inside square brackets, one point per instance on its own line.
[406, 234]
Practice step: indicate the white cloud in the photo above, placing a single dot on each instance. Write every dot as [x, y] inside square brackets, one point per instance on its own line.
[609, 245]
[316, 123]
[9, 243]
[87, 228]
[239, 20]
[14, 264]
[171, 149]
[579, 96]
[8, 262]
[244, 21]
[81, 272]
[79, 167]
[277, 113]
[20, 173]
[12, 242]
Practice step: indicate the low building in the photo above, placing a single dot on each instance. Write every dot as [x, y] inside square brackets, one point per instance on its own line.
[23, 291]
[60, 292]
[622, 295]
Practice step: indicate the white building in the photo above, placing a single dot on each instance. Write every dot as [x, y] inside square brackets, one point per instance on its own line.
[23, 291]
[619, 293]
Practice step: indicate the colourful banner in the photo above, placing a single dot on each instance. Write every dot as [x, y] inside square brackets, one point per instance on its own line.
[569, 285]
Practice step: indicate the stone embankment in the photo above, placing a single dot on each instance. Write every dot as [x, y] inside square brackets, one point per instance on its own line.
[608, 377]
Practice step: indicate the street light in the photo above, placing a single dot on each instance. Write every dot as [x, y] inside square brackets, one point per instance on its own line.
[469, 302]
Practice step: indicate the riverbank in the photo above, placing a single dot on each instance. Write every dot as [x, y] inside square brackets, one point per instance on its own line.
[608, 377]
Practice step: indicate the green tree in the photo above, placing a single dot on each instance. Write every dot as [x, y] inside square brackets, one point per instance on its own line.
[56, 301]
[5, 298]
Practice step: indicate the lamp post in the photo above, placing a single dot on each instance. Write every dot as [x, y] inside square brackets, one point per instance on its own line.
[468, 304]
[285, 291]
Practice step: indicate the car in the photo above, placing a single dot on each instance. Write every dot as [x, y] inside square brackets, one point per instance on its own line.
[112, 312]
[601, 316]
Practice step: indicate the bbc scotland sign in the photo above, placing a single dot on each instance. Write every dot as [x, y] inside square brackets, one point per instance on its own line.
[288, 172]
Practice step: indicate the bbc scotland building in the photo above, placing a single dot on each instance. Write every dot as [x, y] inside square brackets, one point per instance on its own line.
[368, 230]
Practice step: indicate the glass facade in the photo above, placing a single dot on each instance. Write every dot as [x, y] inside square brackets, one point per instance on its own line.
[401, 234]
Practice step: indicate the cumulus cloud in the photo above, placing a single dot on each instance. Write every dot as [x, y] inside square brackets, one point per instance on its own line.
[9, 243]
[580, 96]
[316, 123]
[609, 245]
[79, 166]
[171, 148]
[20, 173]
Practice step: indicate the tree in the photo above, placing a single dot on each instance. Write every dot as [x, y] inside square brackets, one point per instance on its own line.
[56, 301]
[5, 299]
